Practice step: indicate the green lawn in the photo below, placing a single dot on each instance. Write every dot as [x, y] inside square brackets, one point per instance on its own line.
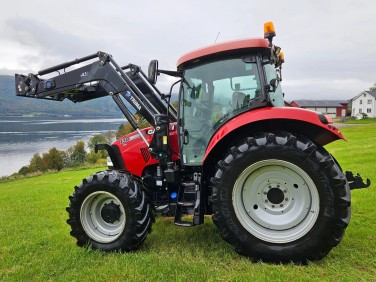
[362, 121]
[35, 242]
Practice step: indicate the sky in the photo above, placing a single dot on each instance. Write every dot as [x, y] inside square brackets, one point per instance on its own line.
[329, 46]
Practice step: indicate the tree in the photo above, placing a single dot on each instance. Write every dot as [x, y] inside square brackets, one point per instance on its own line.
[24, 170]
[175, 104]
[65, 155]
[93, 158]
[36, 163]
[55, 159]
[373, 88]
[78, 152]
[97, 139]
[44, 162]
[125, 129]
[110, 136]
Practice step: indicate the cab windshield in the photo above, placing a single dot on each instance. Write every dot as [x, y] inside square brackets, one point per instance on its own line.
[211, 94]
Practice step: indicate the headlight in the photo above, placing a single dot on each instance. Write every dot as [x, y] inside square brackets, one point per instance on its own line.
[109, 162]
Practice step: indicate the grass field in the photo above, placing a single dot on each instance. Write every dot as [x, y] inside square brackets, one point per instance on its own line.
[361, 121]
[35, 243]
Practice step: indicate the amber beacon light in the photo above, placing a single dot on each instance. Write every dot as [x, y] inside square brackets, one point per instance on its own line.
[281, 57]
[269, 31]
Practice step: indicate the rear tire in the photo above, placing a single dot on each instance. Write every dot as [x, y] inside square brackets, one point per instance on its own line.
[280, 198]
[110, 211]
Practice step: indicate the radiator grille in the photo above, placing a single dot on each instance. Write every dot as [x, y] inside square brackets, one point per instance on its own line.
[145, 154]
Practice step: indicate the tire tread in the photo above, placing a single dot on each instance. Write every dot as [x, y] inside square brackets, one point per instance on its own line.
[340, 190]
[140, 218]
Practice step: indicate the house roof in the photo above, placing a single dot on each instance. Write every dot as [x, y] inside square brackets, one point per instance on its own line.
[320, 103]
[372, 93]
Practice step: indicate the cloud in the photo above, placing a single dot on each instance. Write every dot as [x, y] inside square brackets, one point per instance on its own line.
[41, 45]
[328, 44]
[325, 89]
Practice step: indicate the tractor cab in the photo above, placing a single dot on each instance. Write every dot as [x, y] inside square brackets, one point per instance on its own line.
[220, 82]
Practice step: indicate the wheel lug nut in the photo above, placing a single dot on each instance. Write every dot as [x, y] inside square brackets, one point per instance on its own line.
[286, 199]
[266, 201]
[284, 191]
[281, 205]
[273, 206]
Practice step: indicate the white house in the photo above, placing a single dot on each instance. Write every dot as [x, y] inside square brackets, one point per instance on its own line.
[364, 103]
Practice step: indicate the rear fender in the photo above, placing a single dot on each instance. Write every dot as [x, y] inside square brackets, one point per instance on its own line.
[311, 124]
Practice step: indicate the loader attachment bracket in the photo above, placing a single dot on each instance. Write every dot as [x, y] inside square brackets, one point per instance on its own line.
[356, 182]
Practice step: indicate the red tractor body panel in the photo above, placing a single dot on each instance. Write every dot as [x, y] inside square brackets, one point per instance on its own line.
[223, 47]
[136, 156]
[326, 133]
[134, 151]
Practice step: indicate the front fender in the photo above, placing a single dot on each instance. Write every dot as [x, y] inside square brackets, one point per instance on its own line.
[312, 124]
[114, 154]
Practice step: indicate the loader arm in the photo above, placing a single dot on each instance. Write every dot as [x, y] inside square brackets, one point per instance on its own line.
[98, 78]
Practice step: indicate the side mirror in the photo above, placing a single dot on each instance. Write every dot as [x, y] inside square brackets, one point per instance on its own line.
[274, 84]
[153, 71]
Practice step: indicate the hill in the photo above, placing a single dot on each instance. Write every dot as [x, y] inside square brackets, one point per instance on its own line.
[10, 104]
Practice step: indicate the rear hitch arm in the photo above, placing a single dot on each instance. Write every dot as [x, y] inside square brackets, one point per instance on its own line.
[356, 182]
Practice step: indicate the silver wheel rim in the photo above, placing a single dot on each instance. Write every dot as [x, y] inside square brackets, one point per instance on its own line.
[95, 226]
[276, 201]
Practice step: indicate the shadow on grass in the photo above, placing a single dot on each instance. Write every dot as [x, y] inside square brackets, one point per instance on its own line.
[202, 239]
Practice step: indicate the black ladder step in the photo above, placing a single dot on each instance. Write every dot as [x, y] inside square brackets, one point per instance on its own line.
[188, 184]
[183, 223]
[186, 204]
[189, 187]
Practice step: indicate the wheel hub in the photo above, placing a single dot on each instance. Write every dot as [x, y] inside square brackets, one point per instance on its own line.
[275, 196]
[110, 212]
[103, 216]
[276, 201]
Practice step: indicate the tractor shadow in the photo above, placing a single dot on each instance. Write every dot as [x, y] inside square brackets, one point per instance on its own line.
[198, 240]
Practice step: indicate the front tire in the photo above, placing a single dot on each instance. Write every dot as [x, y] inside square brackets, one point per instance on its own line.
[110, 211]
[280, 198]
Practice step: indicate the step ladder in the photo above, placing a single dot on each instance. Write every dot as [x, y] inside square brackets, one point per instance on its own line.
[189, 202]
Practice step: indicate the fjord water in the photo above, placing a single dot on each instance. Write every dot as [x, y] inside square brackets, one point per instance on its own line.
[22, 137]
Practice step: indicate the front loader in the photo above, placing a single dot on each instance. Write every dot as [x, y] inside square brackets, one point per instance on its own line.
[231, 149]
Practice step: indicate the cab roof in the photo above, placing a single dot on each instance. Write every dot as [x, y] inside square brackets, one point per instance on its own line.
[223, 47]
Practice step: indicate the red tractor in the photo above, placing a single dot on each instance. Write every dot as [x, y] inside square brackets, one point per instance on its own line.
[232, 149]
